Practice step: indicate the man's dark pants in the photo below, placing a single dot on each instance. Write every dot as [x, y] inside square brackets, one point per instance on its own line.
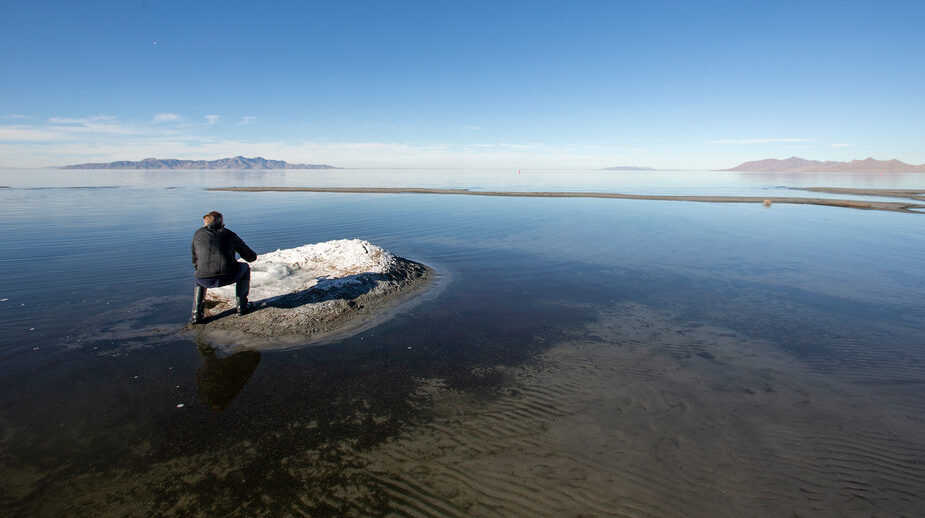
[241, 280]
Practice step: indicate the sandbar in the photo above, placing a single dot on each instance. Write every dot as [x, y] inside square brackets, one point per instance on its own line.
[912, 194]
[889, 206]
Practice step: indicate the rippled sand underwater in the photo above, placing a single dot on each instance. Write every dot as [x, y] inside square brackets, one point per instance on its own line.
[640, 416]
[636, 413]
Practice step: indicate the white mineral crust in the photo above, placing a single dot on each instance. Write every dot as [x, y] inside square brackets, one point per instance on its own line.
[324, 266]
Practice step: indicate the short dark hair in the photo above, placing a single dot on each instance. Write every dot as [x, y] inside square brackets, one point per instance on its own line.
[213, 218]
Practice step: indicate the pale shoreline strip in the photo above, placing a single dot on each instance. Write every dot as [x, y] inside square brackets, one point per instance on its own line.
[892, 206]
[912, 194]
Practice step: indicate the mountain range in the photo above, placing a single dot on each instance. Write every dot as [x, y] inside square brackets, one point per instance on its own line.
[238, 162]
[800, 165]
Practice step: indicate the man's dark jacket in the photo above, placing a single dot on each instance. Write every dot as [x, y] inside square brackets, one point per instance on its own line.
[213, 252]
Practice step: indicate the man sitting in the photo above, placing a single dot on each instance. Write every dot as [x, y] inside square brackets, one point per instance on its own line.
[214, 248]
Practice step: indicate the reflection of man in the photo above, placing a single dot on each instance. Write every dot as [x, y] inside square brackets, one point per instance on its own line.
[214, 247]
[221, 379]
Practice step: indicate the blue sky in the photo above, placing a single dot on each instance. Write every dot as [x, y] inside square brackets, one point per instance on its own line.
[462, 84]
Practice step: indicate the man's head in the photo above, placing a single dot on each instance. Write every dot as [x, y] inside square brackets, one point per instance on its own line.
[213, 219]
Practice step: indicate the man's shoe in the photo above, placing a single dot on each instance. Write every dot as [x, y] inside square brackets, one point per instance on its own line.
[199, 298]
[244, 306]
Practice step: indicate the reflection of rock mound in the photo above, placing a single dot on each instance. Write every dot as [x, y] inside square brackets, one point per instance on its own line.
[301, 292]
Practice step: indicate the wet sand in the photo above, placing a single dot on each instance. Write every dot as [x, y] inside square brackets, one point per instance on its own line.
[829, 202]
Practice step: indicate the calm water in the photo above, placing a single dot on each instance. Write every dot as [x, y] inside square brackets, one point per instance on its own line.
[587, 356]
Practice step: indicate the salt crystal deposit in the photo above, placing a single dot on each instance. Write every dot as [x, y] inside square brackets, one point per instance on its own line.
[324, 266]
[311, 290]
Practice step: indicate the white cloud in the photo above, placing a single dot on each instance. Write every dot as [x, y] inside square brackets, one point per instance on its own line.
[247, 120]
[64, 140]
[87, 131]
[166, 117]
[759, 141]
[99, 124]
[503, 145]
[82, 120]
[99, 128]
[473, 128]
[24, 134]
[840, 144]
[619, 149]
[212, 119]
[17, 116]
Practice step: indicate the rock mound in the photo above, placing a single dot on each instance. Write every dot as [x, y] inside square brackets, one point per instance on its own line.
[302, 293]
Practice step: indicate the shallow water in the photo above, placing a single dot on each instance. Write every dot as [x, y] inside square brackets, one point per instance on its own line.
[588, 356]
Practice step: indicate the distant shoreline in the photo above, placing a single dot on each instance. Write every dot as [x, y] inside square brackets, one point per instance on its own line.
[889, 206]
[238, 163]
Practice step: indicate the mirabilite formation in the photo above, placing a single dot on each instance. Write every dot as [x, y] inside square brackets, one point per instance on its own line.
[316, 288]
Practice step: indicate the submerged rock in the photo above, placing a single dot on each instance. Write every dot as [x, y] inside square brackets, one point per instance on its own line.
[300, 294]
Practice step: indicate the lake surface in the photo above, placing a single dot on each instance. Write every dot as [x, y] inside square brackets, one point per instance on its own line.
[585, 357]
